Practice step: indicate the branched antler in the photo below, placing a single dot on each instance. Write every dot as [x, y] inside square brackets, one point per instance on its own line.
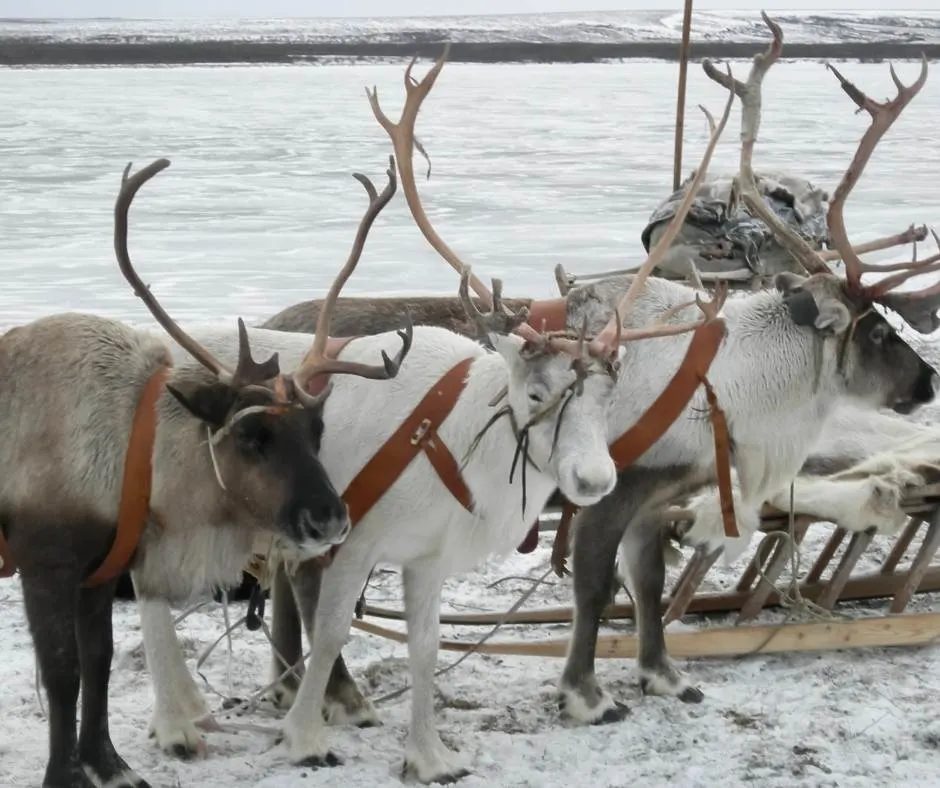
[316, 362]
[750, 94]
[612, 334]
[247, 372]
[916, 308]
[402, 135]
[499, 319]
[883, 115]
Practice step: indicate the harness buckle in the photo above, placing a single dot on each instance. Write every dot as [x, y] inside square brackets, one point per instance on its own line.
[421, 432]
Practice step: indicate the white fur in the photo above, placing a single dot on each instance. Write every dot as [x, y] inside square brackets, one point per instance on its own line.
[359, 416]
[885, 454]
[775, 384]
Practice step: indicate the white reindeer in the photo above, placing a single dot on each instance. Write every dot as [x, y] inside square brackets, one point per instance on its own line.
[557, 391]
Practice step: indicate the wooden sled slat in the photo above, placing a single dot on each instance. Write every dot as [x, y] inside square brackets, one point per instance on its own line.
[918, 566]
[775, 565]
[901, 545]
[869, 586]
[909, 629]
[857, 545]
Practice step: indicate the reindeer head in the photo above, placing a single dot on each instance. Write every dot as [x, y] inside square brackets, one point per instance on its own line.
[559, 389]
[876, 365]
[263, 428]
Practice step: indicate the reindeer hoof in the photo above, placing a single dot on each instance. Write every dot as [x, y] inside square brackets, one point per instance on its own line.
[182, 752]
[316, 761]
[410, 772]
[615, 713]
[676, 687]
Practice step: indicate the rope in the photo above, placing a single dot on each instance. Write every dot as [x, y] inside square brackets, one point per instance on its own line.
[523, 598]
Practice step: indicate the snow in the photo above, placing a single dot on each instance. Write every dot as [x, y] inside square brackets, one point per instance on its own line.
[533, 165]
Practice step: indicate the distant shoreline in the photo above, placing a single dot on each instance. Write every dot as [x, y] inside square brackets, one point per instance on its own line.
[36, 51]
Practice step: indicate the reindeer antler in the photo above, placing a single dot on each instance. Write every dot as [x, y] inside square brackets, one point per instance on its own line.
[750, 94]
[316, 362]
[247, 372]
[500, 319]
[612, 334]
[402, 135]
[883, 115]
[916, 308]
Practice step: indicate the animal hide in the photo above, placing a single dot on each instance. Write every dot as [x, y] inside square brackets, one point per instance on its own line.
[720, 235]
[857, 477]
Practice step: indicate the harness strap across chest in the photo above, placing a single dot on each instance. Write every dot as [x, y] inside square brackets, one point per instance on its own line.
[135, 490]
[416, 435]
[657, 419]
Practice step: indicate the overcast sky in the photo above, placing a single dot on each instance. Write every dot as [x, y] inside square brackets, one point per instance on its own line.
[275, 8]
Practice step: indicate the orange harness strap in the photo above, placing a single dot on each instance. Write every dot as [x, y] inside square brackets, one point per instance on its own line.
[135, 490]
[548, 314]
[418, 433]
[136, 485]
[652, 425]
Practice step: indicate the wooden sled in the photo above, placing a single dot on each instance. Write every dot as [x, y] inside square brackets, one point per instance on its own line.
[755, 591]
[741, 279]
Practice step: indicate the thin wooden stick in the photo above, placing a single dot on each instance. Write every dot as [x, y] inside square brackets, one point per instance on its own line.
[903, 630]
[680, 99]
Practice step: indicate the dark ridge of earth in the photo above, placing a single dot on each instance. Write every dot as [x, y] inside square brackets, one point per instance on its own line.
[28, 51]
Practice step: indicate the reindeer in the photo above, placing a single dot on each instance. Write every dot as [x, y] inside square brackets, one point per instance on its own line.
[549, 433]
[209, 453]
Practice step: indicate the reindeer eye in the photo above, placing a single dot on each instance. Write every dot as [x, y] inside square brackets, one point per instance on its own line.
[880, 332]
[535, 397]
[254, 437]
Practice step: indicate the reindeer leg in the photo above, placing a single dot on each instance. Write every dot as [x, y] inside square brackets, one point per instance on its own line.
[427, 758]
[344, 704]
[646, 567]
[304, 726]
[51, 601]
[177, 699]
[286, 641]
[597, 533]
[95, 650]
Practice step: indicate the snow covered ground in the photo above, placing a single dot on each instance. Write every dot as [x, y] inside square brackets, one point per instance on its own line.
[858, 718]
[532, 166]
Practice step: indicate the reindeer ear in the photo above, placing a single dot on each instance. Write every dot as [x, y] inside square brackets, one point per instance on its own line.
[834, 318]
[786, 282]
[209, 403]
[804, 310]
[507, 345]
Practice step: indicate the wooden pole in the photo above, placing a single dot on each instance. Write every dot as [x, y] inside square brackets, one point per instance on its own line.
[680, 101]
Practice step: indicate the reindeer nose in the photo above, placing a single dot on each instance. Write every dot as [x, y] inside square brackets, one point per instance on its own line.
[594, 481]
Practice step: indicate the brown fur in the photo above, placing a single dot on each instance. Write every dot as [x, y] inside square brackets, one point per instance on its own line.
[365, 316]
[69, 388]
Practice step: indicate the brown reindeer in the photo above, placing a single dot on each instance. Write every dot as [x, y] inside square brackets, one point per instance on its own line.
[208, 455]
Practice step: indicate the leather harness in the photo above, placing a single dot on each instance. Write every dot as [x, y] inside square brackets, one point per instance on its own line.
[654, 422]
[135, 490]
[417, 435]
